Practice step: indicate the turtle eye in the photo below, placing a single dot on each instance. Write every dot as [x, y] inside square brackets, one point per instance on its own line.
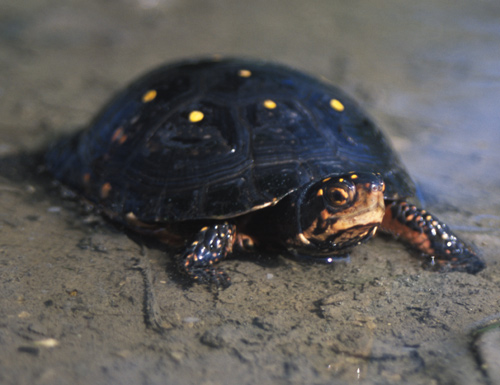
[339, 194]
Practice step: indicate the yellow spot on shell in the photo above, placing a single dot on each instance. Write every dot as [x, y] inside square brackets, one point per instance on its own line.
[320, 192]
[149, 96]
[326, 179]
[244, 73]
[196, 116]
[354, 176]
[336, 105]
[341, 180]
[269, 104]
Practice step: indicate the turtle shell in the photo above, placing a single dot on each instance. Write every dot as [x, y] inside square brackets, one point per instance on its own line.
[219, 138]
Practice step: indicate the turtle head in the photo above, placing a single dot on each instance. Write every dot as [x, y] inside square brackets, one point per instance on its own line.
[337, 213]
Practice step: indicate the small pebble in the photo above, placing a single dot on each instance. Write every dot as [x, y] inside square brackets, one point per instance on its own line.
[191, 320]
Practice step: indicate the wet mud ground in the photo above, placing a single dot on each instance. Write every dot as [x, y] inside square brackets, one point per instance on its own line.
[84, 302]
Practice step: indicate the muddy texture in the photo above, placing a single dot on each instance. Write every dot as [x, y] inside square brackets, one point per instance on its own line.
[85, 302]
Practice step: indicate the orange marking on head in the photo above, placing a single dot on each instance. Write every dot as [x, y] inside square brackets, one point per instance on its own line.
[86, 178]
[324, 215]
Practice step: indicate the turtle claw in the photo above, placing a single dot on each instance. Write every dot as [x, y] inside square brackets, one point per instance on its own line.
[210, 245]
[467, 261]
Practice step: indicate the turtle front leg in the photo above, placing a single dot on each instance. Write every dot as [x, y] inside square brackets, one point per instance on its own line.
[432, 237]
[210, 245]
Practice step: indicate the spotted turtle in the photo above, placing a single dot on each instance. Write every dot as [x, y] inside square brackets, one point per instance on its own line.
[211, 155]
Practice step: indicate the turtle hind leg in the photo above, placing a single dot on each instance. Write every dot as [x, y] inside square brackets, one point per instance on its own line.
[432, 237]
[209, 246]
